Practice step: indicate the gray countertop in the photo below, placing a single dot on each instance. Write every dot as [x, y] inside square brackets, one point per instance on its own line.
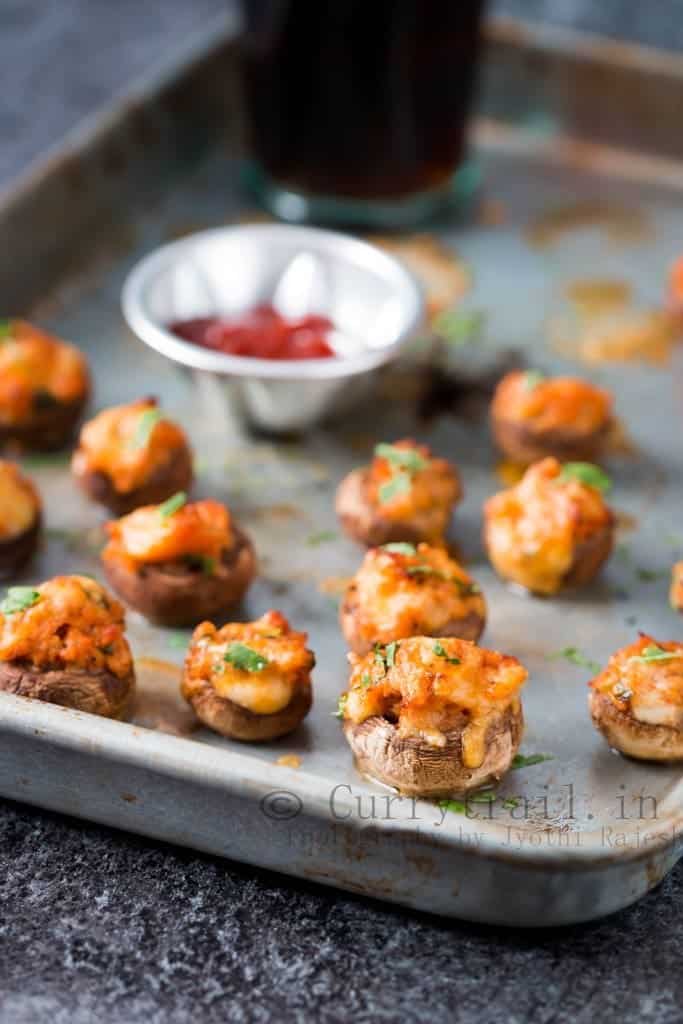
[96, 925]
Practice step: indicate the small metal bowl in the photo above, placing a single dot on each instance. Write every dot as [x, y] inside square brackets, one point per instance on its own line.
[375, 304]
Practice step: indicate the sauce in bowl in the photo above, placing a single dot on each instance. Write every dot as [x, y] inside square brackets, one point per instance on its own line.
[261, 333]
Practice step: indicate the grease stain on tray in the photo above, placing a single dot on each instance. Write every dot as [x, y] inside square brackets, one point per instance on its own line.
[621, 224]
[288, 761]
[158, 702]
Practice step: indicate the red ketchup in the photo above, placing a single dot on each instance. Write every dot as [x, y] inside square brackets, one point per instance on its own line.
[260, 333]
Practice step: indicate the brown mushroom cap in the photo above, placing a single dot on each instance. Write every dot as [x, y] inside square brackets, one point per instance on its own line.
[174, 594]
[363, 522]
[175, 475]
[416, 768]
[467, 627]
[16, 551]
[99, 693]
[524, 443]
[589, 557]
[230, 719]
[625, 733]
[47, 429]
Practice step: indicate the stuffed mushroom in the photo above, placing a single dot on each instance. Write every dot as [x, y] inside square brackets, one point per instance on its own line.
[401, 590]
[434, 717]
[64, 642]
[44, 386]
[20, 519]
[132, 455]
[405, 494]
[249, 681]
[552, 530]
[636, 702]
[179, 563]
[533, 416]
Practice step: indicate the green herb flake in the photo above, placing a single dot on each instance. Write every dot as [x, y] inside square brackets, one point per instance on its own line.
[510, 802]
[244, 658]
[456, 806]
[460, 327]
[144, 427]
[323, 537]
[441, 652]
[576, 657]
[585, 473]
[18, 599]
[527, 760]
[390, 655]
[205, 563]
[172, 505]
[341, 706]
[179, 641]
[651, 575]
[401, 458]
[532, 378]
[398, 484]
[366, 680]
[467, 588]
[5, 329]
[423, 570]
[400, 548]
[655, 653]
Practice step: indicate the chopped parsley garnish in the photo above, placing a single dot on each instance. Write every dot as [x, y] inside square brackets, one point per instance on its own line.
[172, 505]
[576, 657]
[651, 575]
[18, 599]
[532, 378]
[585, 473]
[398, 484]
[145, 425]
[527, 760]
[655, 653]
[203, 562]
[391, 653]
[341, 706]
[323, 537]
[402, 458]
[366, 680]
[400, 548]
[457, 806]
[466, 587]
[245, 658]
[441, 651]
[460, 327]
[386, 656]
[510, 802]
[5, 328]
[423, 570]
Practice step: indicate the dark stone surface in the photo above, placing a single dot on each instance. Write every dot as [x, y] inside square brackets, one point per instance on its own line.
[99, 926]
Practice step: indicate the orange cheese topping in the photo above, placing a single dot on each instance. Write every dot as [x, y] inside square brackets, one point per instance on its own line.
[147, 535]
[19, 501]
[551, 403]
[409, 483]
[128, 443]
[646, 678]
[421, 681]
[72, 622]
[35, 368]
[258, 665]
[401, 590]
[533, 530]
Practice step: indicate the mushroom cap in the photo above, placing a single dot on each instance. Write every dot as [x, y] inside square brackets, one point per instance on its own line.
[230, 719]
[175, 475]
[625, 733]
[525, 444]
[98, 692]
[174, 594]
[416, 768]
[47, 429]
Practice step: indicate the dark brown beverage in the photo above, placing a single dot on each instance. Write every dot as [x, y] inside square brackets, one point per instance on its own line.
[360, 99]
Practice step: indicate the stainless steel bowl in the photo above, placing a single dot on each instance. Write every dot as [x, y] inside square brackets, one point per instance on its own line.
[374, 302]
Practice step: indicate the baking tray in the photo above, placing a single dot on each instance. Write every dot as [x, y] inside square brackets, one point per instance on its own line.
[592, 832]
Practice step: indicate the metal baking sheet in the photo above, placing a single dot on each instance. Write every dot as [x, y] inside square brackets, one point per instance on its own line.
[592, 831]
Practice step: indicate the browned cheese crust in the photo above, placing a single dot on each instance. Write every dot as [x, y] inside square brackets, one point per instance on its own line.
[469, 627]
[99, 693]
[416, 768]
[175, 594]
[230, 719]
[176, 475]
[625, 733]
[364, 523]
